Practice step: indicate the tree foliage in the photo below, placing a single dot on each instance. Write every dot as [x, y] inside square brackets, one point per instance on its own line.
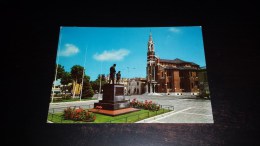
[65, 80]
[96, 84]
[87, 91]
[60, 71]
[76, 73]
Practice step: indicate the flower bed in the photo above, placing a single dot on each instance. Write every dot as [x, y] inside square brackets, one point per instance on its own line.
[98, 108]
[147, 105]
[78, 114]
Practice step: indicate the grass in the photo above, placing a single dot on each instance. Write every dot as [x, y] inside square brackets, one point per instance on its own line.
[126, 118]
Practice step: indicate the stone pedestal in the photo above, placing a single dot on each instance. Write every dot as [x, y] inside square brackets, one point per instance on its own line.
[113, 98]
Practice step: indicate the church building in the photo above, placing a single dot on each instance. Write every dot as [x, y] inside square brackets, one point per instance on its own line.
[175, 77]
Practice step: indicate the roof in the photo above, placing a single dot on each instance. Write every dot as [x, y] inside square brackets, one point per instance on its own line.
[177, 61]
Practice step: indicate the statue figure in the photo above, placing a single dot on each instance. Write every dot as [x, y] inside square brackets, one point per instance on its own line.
[118, 77]
[112, 74]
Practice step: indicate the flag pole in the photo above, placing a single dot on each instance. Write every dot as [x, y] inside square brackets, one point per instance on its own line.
[83, 74]
[57, 61]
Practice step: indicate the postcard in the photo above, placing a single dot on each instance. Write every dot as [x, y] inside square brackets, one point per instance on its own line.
[130, 75]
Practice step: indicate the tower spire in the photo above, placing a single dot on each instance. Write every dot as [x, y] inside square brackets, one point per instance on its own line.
[151, 65]
[150, 42]
[150, 36]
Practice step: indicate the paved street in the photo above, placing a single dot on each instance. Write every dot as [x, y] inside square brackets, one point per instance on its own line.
[187, 109]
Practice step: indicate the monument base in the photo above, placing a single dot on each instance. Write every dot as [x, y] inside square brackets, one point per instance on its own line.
[113, 98]
[113, 105]
[114, 112]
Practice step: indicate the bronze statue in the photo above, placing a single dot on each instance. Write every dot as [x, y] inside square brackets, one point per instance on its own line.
[118, 77]
[112, 74]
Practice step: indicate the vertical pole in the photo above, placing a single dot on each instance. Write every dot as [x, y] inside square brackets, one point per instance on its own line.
[81, 84]
[100, 80]
[56, 66]
[83, 76]
[128, 81]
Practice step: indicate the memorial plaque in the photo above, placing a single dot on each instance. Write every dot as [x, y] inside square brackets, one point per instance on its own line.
[113, 98]
[119, 90]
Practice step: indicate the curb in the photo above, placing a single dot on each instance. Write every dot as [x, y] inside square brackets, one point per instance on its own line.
[71, 102]
[154, 118]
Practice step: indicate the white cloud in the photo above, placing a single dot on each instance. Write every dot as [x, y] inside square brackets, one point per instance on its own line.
[69, 50]
[175, 30]
[112, 55]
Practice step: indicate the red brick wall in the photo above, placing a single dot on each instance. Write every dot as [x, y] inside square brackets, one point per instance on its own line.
[176, 81]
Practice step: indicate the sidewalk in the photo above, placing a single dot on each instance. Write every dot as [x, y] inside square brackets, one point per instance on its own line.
[149, 120]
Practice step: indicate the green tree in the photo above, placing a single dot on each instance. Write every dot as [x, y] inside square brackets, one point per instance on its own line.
[60, 71]
[87, 91]
[65, 80]
[76, 75]
[96, 84]
[103, 77]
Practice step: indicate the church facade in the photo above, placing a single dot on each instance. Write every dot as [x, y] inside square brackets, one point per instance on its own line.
[170, 76]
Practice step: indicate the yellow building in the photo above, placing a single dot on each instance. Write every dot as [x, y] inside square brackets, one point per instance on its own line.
[77, 88]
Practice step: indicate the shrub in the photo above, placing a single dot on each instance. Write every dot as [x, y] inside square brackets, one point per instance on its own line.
[147, 105]
[57, 95]
[78, 114]
[68, 113]
[98, 108]
[66, 96]
[57, 99]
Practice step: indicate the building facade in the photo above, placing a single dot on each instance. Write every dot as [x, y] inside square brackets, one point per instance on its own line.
[136, 86]
[203, 83]
[170, 76]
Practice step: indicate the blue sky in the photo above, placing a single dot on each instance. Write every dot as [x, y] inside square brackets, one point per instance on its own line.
[127, 47]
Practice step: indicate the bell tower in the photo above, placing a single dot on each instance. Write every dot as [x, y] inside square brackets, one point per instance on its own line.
[151, 64]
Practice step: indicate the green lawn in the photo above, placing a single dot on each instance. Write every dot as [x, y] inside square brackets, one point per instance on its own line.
[126, 118]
